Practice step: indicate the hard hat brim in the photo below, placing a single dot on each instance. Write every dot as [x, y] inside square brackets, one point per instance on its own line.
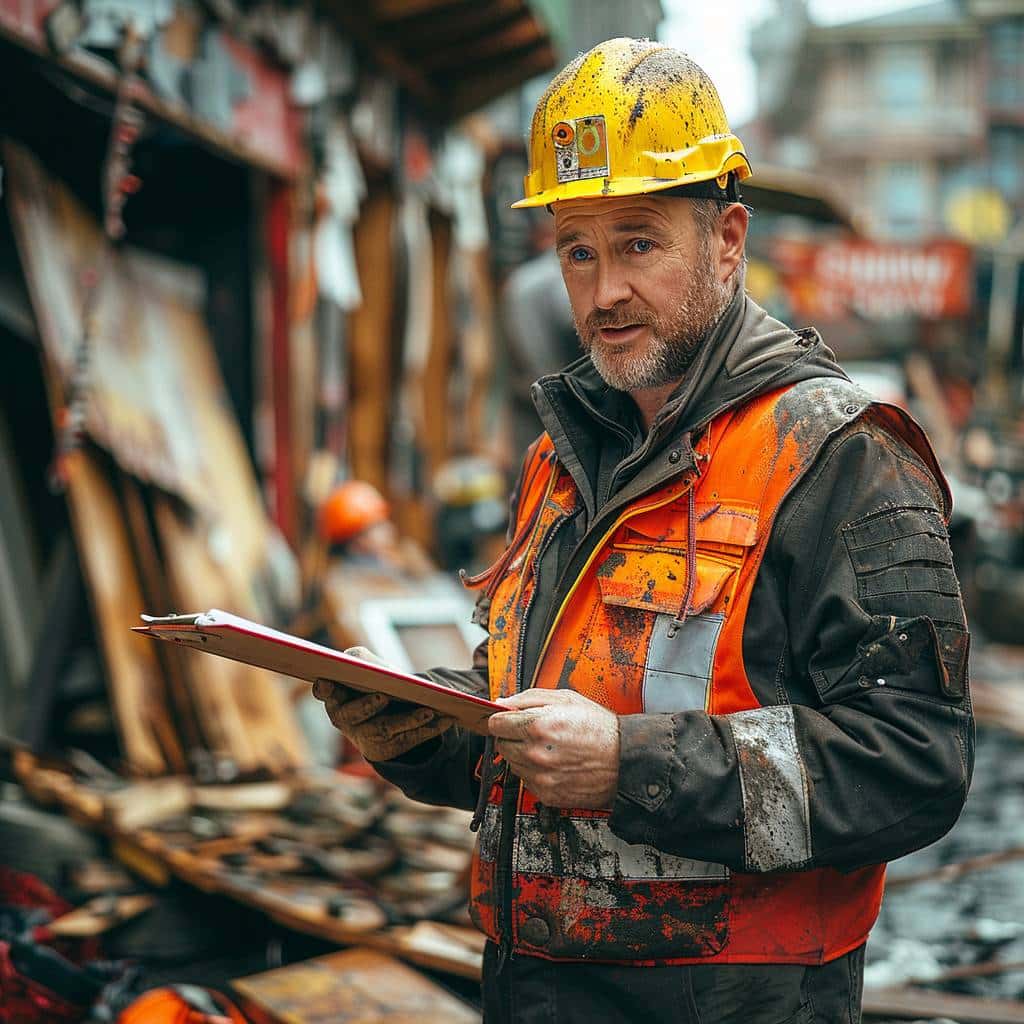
[604, 188]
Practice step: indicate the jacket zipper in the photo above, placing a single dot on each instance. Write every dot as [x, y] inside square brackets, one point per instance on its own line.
[510, 794]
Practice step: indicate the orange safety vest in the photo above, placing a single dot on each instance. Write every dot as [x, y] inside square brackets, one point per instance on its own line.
[638, 632]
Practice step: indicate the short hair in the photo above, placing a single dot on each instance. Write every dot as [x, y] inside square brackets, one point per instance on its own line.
[707, 211]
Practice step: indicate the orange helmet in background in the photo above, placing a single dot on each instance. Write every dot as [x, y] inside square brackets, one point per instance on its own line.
[351, 508]
[181, 1004]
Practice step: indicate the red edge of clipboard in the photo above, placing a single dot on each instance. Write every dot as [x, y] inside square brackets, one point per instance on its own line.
[298, 644]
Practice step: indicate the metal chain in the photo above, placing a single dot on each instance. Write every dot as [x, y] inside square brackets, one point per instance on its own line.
[118, 183]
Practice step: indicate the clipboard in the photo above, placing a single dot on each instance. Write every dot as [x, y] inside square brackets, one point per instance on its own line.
[231, 636]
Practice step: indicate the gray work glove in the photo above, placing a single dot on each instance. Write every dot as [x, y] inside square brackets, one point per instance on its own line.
[381, 727]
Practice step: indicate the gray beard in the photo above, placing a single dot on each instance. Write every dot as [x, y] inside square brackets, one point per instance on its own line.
[675, 340]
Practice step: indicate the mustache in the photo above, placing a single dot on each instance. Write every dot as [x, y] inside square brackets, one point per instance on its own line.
[599, 318]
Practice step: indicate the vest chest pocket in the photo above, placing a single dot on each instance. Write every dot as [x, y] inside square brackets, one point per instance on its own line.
[645, 574]
[646, 564]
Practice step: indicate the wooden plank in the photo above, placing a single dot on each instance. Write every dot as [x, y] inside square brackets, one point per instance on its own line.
[999, 705]
[244, 711]
[451, 948]
[154, 588]
[372, 363]
[137, 687]
[952, 872]
[911, 1004]
[436, 381]
[359, 986]
[478, 346]
[100, 915]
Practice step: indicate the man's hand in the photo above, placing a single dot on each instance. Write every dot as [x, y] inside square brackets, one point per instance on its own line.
[380, 727]
[563, 746]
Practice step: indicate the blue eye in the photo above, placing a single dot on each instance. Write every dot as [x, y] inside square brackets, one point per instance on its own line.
[578, 255]
[643, 246]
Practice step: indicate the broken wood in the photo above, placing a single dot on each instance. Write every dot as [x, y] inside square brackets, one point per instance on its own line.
[441, 947]
[914, 1003]
[250, 796]
[999, 705]
[988, 969]
[100, 915]
[144, 804]
[359, 986]
[951, 872]
[135, 676]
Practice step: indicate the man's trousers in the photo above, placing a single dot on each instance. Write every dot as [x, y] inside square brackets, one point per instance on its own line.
[528, 990]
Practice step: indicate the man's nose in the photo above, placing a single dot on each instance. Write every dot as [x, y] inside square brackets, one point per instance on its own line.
[613, 286]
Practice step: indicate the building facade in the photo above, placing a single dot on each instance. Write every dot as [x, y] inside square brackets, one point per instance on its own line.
[917, 116]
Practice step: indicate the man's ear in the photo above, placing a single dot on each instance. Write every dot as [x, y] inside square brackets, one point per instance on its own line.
[732, 239]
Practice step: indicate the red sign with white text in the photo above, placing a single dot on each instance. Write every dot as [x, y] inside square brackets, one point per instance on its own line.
[877, 280]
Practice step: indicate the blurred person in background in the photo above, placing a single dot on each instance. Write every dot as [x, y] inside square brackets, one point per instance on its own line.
[726, 632]
[538, 329]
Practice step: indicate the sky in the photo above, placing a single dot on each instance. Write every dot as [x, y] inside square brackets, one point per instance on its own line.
[716, 35]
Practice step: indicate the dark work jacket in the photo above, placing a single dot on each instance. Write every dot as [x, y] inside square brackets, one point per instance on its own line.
[888, 774]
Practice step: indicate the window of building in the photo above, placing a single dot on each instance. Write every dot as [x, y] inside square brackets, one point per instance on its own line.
[904, 197]
[903, 78]
[1006, 60]
[1007, 156]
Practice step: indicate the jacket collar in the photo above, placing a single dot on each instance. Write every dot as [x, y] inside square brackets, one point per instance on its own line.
[746, 353]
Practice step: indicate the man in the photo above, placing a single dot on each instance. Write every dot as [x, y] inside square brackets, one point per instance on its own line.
[538, 331]
[727, 628]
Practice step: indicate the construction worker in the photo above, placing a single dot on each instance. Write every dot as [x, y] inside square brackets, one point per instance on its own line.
[538, 331]
[727, 630]
[355, 521]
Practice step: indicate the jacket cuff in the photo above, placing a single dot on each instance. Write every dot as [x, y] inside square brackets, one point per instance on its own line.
[421, 761]
[646, 751]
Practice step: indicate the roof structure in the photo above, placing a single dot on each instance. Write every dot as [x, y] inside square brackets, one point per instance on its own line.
[453, 56]
[941, 17]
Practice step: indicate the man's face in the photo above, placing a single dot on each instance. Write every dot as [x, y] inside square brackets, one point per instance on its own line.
[643, 281]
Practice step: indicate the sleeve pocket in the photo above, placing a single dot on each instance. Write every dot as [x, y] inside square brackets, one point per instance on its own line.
[904, 569]
[902, 654]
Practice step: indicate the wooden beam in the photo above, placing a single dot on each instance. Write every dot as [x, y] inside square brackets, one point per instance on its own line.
[417, 36]
[393, 10]
[471, 92]
[523, 33]
[916, 1003]
[362, 30]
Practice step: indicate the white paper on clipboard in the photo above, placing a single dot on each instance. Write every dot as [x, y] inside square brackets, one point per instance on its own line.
[231, 636]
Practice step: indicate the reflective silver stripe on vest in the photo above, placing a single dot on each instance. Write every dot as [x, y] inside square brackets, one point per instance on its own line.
[587, 848]
[487, 839]
[678, 670]
[776, 815]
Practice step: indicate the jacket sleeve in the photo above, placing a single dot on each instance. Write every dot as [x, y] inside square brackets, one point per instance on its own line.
[443, 771]
[856, 647]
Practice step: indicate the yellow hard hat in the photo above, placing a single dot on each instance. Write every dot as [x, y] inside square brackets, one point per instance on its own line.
[629, 117]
